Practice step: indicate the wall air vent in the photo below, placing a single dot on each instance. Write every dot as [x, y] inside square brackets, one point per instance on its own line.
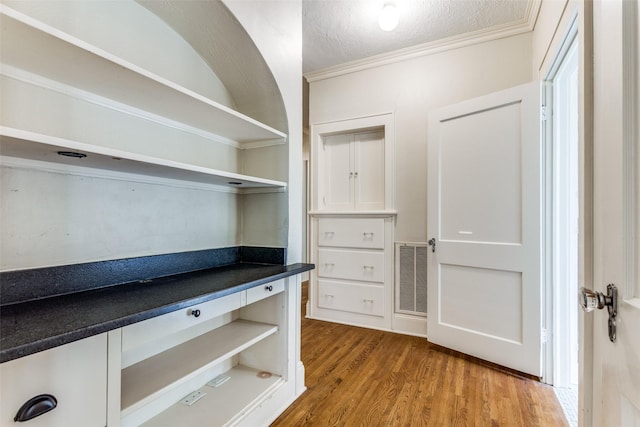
[411, 278]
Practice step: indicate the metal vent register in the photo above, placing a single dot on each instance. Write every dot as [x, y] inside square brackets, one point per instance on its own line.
[411, 278]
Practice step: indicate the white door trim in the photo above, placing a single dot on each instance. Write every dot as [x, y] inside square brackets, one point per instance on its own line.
[551, 298]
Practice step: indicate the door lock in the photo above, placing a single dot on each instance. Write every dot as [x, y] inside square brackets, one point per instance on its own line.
[432, 243]
[590, 300]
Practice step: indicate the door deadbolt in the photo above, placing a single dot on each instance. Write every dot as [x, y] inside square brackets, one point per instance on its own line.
[590, 300]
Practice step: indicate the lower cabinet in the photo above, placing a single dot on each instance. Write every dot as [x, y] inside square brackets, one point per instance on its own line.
[73, 377]
[229, 361]
[210, 365]
[353, 279]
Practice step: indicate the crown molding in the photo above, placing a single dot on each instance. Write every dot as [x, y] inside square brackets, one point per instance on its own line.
[524, 25]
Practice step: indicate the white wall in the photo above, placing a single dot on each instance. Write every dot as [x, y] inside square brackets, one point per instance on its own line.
[410, 89]
[53, 219]
[276, 29]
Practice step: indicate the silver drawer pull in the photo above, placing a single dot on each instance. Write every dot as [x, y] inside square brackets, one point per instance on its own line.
[328, 264]
[368, 234]
[367, 301]
[329, 233]
[329, 296]
[368, 267]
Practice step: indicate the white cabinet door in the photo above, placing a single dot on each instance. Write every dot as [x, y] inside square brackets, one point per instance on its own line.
[484, 212]
[352, 171]
[75, 374]
[337, 173]
[369, 171]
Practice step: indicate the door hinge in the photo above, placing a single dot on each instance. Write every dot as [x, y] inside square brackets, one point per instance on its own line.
[543, 113]
[544, 336]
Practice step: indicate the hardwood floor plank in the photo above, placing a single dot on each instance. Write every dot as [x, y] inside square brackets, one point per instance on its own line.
[365, 377]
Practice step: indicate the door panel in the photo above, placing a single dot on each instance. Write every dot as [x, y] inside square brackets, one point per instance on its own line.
[481, 169]
[484, 212]
[466, 301]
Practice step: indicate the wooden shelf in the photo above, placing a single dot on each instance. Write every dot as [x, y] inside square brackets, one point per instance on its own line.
[221, 405]
[149, 379]
[19, 144]
[30, 45]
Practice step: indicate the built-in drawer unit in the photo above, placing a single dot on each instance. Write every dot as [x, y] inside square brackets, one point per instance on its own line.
[352, 233]
[351, 264]
[351, 297]
[70, 379]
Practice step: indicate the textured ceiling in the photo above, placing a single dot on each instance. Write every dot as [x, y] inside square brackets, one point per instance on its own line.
[340, 31]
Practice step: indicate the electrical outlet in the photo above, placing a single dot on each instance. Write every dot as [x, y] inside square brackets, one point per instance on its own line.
[193, 398]
[218, 381]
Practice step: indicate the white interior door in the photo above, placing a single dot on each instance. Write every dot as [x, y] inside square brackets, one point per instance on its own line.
[616, 238]
[484, 212]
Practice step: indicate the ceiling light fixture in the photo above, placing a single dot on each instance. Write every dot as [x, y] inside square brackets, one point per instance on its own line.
[388, 18]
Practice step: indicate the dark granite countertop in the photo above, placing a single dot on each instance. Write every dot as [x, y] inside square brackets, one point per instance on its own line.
[32, 326]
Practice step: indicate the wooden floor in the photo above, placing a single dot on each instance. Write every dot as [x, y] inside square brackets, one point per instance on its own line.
[363, 377]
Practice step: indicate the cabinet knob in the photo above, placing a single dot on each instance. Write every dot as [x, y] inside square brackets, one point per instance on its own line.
[195, 313]
[35, 407]
[269, 288]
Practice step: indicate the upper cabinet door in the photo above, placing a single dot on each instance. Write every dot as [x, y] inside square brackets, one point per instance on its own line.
[369, 171]
[337, 172]
[352, 165]
[352, 172]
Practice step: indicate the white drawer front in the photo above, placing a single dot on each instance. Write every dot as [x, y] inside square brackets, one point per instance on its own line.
[351, 232]
[354, 298]
[158, 327]
[264, 291]
[353, 265]
[75, 374]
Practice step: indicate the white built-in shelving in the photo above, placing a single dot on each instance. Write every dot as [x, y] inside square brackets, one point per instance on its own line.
[223, 405]
[162, 377]
[231, 345]
[34, 52]
[144, 381]
[65, 59]
[17, 145]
